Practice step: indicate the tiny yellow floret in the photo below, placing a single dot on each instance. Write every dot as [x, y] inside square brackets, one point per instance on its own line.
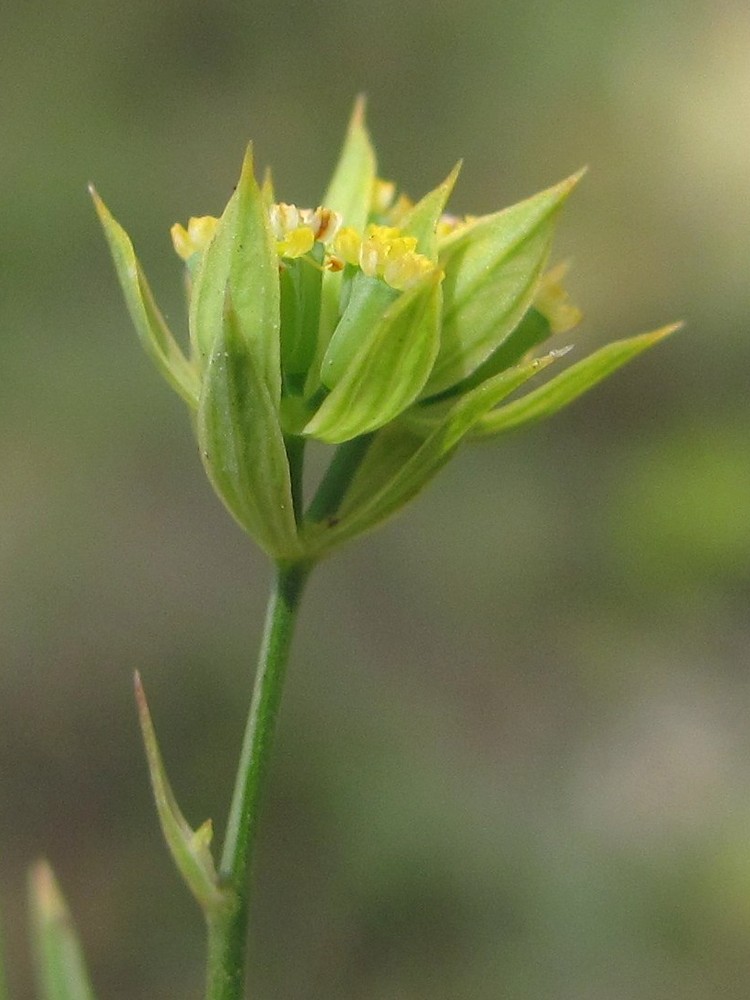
[347, 245]
[199, 233]
[383, 193]
[553, 301]
[383, 253]
[297, 229]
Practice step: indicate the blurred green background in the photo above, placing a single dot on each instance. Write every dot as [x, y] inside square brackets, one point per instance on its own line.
[514, 756]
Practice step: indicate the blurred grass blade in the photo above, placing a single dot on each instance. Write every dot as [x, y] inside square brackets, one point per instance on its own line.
[60, 968]
[4, 995]
[190, 849]
[151, 326]
[568, 385]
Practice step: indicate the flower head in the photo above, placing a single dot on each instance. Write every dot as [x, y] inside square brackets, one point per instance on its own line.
[389, 328]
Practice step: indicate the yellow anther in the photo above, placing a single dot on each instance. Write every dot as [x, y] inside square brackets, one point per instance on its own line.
[296, 243]
[324, 222]
[382, 233]
[347, 244]
[195, 238]
[400, 246]
[383, 253]
[283, 219]
[297, 229]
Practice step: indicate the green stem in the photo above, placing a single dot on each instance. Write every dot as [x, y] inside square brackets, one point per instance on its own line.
[338, 477]
[227, 928]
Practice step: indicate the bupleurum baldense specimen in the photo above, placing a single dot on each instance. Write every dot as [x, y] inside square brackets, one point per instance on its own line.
[387, 329]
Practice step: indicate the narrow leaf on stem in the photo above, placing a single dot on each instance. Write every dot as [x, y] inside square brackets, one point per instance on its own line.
[190, 849]
[569, 384]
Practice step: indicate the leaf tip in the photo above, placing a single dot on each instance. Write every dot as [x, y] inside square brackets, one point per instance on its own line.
[247, 174]
[359, 112]
[46, 892]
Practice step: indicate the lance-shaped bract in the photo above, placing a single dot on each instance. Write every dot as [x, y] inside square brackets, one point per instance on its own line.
[384, 327]
[58, 958]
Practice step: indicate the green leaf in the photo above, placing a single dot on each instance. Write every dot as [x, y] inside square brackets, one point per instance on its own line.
[369, 298]
[152, 329]
[242, 445]
[190, 849]
[390, 368]
[492, 267]
[400, 462]
[533, 330]
[242, 257]
[421, 221]
[350, 193]
[569, 384]
[350, 190]
[300, 313]
[60, 968]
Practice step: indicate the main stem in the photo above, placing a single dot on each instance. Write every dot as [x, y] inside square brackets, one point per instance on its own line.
[227, 928]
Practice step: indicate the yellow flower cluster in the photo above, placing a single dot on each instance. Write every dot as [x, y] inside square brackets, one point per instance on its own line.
[297, 229]
[384, 253]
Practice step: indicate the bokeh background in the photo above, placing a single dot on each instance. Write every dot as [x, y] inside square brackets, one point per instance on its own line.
[514, 756]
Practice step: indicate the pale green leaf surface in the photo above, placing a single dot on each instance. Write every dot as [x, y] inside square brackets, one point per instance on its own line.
[421, 221]
[383, 485]
[242, 445]
[59, 964]
[350, 193]
[190, 849]
[242, 257]
[368, 300]
[388, 371]
[492, 267]
[569, 384]
[150, 325]
[350, 190]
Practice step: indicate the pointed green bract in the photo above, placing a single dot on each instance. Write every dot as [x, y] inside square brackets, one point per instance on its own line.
[533, 330]
[421, 221]
[59, 964]
[380, 488]
[242, 445]
[350, 194]
[369, 299]
[190, 849]
[491, 269]
[242, 258]
[350, 190]
[388, 371]
[569, 384]
[152, 329]
[300, 314]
